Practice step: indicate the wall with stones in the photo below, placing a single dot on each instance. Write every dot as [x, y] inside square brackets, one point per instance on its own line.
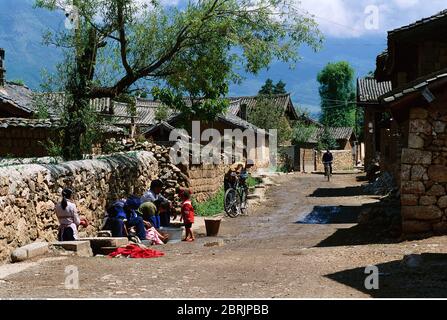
[424, 172]
[205, 180]
[343, 160]
[28, 193]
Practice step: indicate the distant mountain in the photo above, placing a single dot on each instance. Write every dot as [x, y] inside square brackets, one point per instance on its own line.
[22, 26]
[21, 30]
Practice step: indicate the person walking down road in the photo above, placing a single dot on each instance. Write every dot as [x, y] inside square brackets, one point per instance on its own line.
[68, 217]
[187, 214]
[328, 158]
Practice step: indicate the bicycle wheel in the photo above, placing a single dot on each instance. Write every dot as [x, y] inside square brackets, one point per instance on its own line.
[244, 202]
[231, 203]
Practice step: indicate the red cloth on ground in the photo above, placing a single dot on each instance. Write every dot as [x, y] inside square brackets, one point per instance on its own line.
[135, 251]
[188, 212]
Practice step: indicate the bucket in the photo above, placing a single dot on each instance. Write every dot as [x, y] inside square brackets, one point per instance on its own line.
[212, 227]
[175, 234]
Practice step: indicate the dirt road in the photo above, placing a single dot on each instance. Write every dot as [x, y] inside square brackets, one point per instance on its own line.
[302, 242]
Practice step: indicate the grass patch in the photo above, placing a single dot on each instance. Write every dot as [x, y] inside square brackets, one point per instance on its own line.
[253, 182]
[211, 207]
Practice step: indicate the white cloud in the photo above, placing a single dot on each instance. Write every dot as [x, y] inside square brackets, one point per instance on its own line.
[346, 18]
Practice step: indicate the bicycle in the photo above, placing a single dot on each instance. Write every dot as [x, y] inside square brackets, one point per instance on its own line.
[327, 170]
[236, 202]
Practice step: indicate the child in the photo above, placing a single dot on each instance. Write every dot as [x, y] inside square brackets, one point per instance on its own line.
[187, 214]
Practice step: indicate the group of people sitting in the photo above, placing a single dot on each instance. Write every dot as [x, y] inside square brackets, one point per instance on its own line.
[140, 217]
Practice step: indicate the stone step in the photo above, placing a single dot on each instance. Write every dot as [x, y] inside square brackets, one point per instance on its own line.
[29, 251]
[80, 248]
[96, 242]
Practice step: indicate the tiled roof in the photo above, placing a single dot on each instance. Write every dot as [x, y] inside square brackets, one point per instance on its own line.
[27, 123]
[18, 96]
[369, 89]
[281, 100]
[413, 87]
[52, 123]
[436, 17]
[341, 133]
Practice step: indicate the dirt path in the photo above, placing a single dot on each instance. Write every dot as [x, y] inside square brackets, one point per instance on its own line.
[266, 255]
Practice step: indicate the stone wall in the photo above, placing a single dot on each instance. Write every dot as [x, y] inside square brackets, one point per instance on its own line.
[28, 194]
[343, 160]
[424, 172]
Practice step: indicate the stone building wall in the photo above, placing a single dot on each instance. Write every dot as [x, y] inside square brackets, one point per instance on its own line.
[424, 172]
[28, 194]
[343, 160]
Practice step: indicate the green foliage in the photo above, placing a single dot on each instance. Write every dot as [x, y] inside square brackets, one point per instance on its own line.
[18, 82]
[302, 132]
[327, 141]
[269, 116]
[53, 148]
[162, 113]
[117, 46]
[269, 88]
[211, 207]
[253, 182]
[337, 92]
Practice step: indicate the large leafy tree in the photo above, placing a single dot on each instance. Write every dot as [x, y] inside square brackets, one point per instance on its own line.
[118, 46]
[267, 115]
[337, 92]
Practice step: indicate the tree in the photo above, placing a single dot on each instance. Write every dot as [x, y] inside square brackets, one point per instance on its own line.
[337, 92]
[268, 116]
[280, 88]
[269, 88]
[118, 46]
[327, 141]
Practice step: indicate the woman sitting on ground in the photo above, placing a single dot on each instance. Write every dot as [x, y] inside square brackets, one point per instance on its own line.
[68, 217]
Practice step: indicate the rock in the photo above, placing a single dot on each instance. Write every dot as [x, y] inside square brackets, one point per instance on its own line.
[421, 212]
[414, 227]
[412, 261]
[415, 142]
[414, 156]
[29, 251]
[412, 187]
[442, 202]
[428, 200]
[436, 190]
[80, 248]
[409, 200]
[438, 173]
[217, 243]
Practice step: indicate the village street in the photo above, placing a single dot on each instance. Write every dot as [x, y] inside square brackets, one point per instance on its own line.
[266, 255]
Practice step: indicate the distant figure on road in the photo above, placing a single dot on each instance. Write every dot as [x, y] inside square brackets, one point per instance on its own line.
[328, 158]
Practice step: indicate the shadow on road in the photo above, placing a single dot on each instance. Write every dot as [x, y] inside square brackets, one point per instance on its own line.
[377, 232]
[338, 192]
[398, 281]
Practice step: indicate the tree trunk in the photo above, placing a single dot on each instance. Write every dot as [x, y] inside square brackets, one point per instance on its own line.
[75, 128]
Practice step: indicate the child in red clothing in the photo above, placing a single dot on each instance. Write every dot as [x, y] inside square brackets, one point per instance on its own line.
[187, 214]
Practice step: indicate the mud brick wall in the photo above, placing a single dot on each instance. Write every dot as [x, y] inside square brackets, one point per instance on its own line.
[424, 172]
[28, 194]
[343, 160]
[25, 142]
[205, 180]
